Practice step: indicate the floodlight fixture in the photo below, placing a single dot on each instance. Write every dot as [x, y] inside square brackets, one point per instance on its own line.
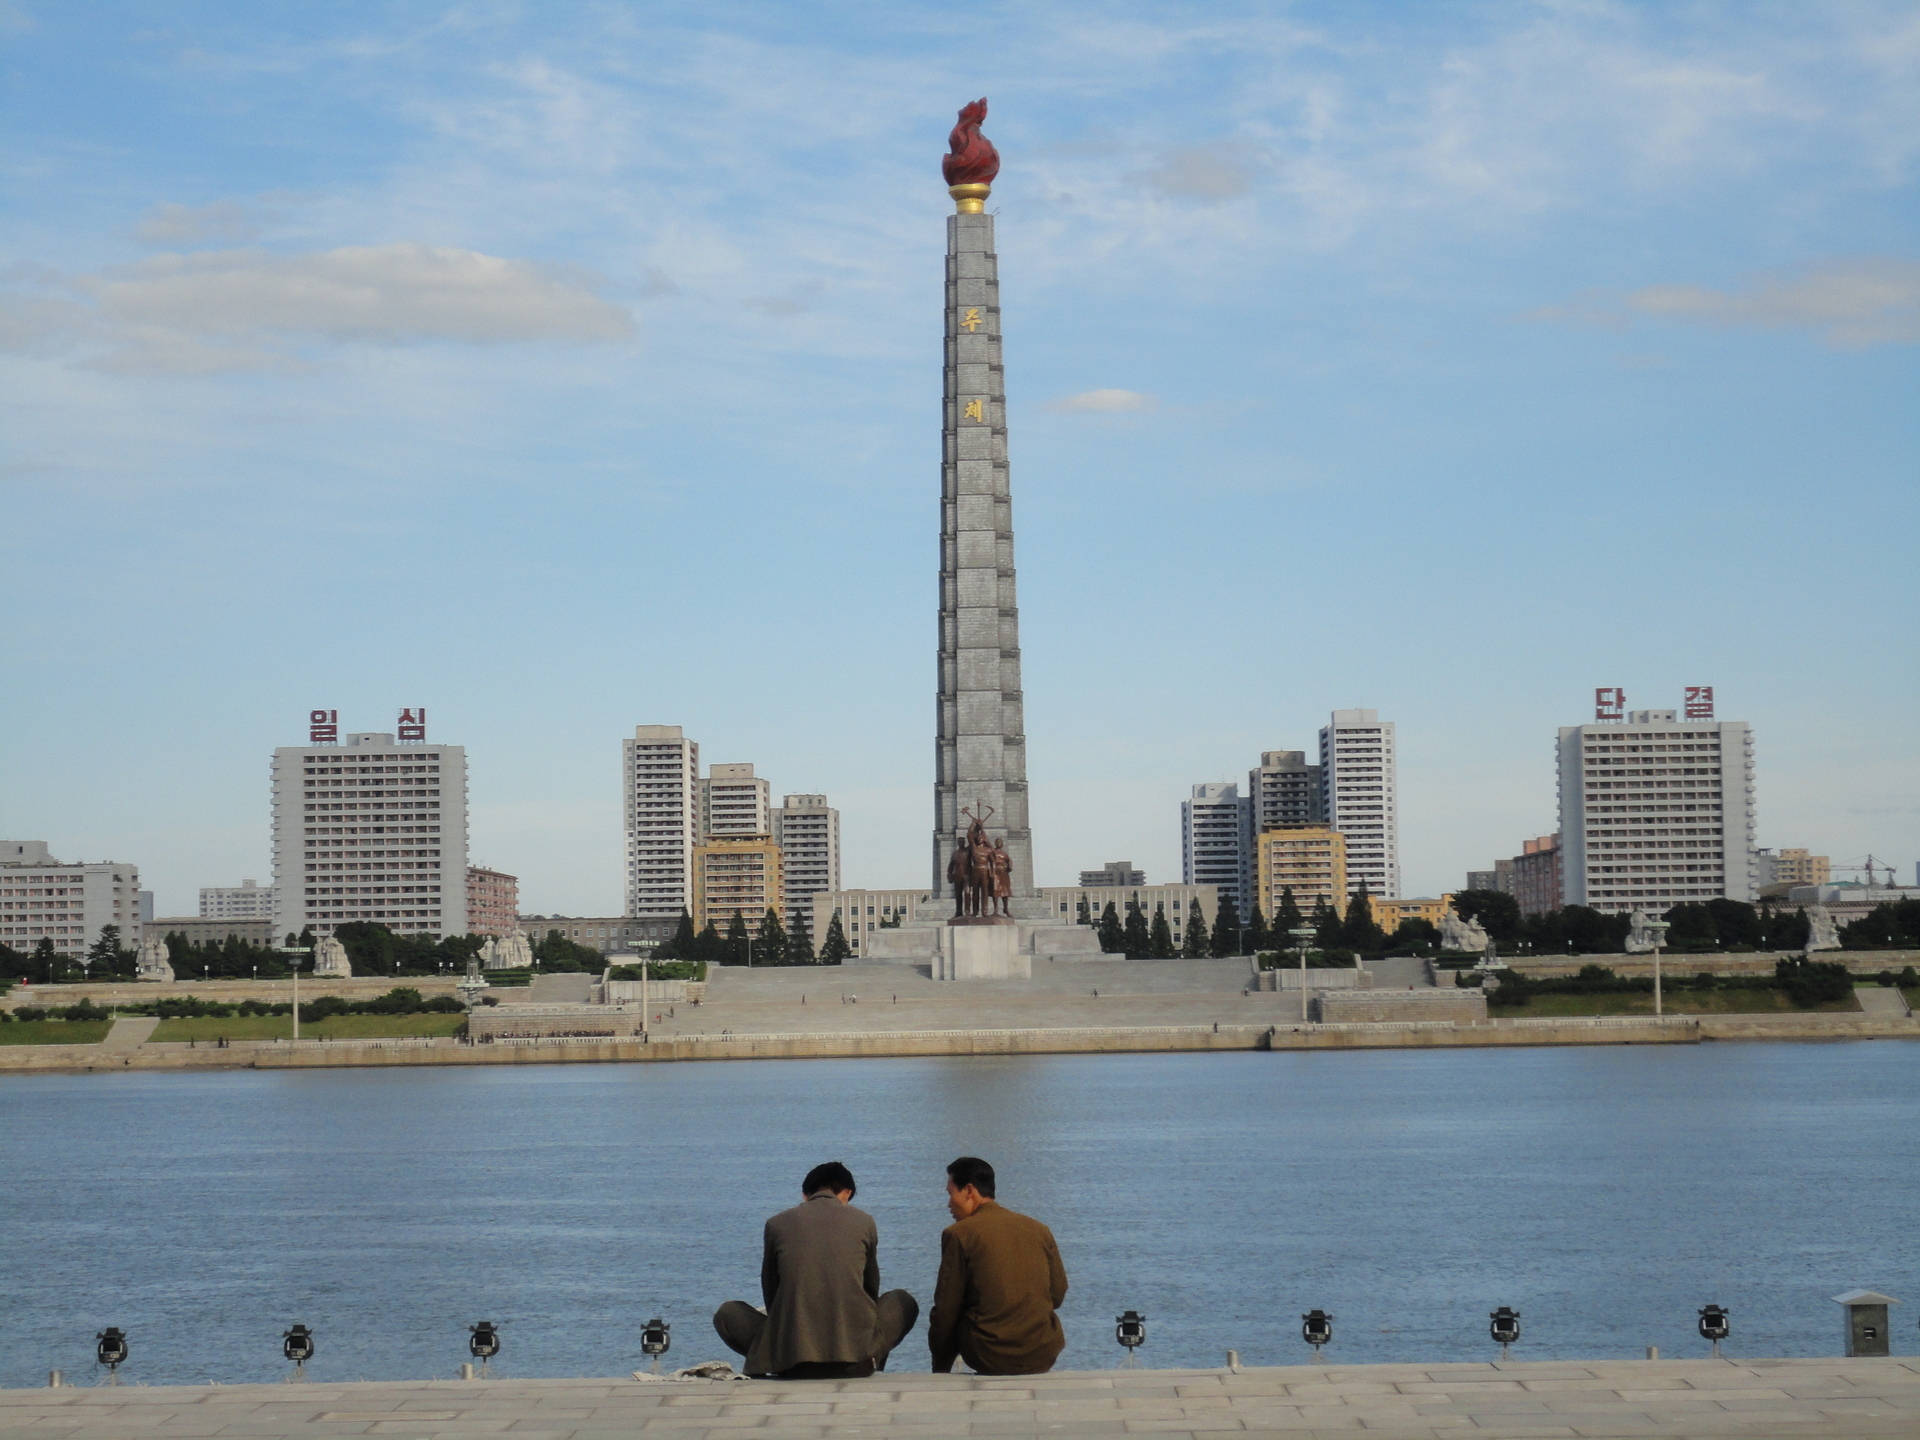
[656, 1338]
[111, 1351]
[1714, 1326]
[1130, 1331]
[1316, 1328]
[1505, 1328]
[483, 1342]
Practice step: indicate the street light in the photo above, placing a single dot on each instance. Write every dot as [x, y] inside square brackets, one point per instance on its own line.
[1316, 1328]
[1130, 1330]
[1301, 935]
[1658, 929]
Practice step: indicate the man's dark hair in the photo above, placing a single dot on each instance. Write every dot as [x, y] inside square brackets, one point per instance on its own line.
[972, 1170]
[832, 1177]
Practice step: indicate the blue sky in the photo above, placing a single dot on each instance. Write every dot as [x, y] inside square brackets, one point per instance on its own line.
[567, 367]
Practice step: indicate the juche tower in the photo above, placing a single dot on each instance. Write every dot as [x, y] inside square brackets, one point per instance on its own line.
[981, 752]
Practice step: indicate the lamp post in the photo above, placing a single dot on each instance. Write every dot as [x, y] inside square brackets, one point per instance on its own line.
[297, 951]
[645, 1005]
[1658, 928]
[1301, 935]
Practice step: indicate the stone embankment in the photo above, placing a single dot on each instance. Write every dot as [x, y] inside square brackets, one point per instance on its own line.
[1596, 1398]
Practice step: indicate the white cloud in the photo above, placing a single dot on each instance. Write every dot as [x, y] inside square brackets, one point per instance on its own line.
[1852, 303]
[174, 224]
[248, 309]
[1102, 402]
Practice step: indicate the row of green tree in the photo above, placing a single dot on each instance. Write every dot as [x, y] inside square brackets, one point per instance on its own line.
[1139, 937]
[1577, 930]
[1806, 982]
[768, 943]
[1886, 927]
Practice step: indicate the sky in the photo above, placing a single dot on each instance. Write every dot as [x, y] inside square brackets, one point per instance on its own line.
[564, 368]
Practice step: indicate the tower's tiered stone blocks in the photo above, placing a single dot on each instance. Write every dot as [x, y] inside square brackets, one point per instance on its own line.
[981, 762]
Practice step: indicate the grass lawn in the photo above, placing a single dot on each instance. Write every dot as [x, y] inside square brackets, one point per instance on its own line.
[1912, 992]
[54, 1032]
[1684, 1002]
[280, 1027]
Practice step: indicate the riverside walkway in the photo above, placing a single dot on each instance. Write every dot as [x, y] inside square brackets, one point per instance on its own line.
[1515, 1399]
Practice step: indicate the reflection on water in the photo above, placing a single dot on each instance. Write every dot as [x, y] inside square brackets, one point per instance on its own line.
[1605, 1193]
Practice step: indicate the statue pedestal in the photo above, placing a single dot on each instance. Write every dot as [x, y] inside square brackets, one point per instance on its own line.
[982, 948]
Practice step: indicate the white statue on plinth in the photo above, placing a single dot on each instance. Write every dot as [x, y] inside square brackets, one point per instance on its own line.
[1640, 937]
[506, 952]
[1822, 933]
[330, 959]
[154, 964]
[1465, 935]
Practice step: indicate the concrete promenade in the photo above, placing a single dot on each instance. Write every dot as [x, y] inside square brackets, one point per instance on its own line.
[1836, 1398]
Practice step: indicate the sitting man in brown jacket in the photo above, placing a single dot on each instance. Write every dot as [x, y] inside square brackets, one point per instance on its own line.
[1000, 1283]
[820, 1278]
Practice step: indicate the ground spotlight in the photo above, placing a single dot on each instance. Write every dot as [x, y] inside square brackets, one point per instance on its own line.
[1316, 1328]
[656, 1338]
[1130, 1330]
[484, 1342]
[1714, 1326]
[297, 1346]
[111, 1352]
[1505, 1328]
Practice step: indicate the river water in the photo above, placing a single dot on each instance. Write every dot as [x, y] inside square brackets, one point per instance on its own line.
[1605, 1193]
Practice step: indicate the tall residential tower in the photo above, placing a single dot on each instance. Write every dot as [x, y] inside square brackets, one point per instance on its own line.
[1358, 798]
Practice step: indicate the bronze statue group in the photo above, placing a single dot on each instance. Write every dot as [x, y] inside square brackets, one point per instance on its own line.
[981, 871]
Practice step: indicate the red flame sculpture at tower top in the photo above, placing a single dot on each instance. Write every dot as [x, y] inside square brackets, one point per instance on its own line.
[971, 160]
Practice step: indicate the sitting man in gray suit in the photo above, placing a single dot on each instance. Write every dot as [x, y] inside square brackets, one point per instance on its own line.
[825, 1318]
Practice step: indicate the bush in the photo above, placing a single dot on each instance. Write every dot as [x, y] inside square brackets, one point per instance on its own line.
[1813, 982]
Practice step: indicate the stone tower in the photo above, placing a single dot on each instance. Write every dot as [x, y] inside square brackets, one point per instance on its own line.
[981, 753]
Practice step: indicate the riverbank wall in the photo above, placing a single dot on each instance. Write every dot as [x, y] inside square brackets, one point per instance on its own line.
[840, 1045]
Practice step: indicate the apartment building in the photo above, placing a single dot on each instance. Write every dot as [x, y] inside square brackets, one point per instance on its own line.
[1114, 872]
[1309, 860]
[369, 830]
[732, 875]
[248, 900]
[734, 802]
[1285, 790]
[660, 795]
[807, 830]
[1359, 797]
[1655, 810]
[1535, 875]
[1216, 842]
[42, 898]
[493, 901]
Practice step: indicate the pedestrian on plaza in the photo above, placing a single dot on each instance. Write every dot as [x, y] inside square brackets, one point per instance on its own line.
[825, 1318]
[1001, 1283]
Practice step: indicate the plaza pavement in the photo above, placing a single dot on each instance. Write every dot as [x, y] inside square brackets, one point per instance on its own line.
[1823, 1398]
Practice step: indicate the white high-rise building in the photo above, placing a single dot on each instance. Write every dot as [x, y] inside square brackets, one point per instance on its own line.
[807, 831]
[369, 830]
[1656, 811]
[42, 898]
[661, 801]
[734, 803]
[1358, 798]
[1216, 842]
[248, 900]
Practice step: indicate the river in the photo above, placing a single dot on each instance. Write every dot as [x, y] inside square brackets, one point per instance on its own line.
[1606, 1193]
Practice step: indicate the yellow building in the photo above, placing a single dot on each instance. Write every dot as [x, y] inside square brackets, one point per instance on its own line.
[1388, 914]
[1797, 867]
[739, 873]
[1311, 861]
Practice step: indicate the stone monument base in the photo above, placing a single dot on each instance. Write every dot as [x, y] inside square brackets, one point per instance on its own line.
[977, 951]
